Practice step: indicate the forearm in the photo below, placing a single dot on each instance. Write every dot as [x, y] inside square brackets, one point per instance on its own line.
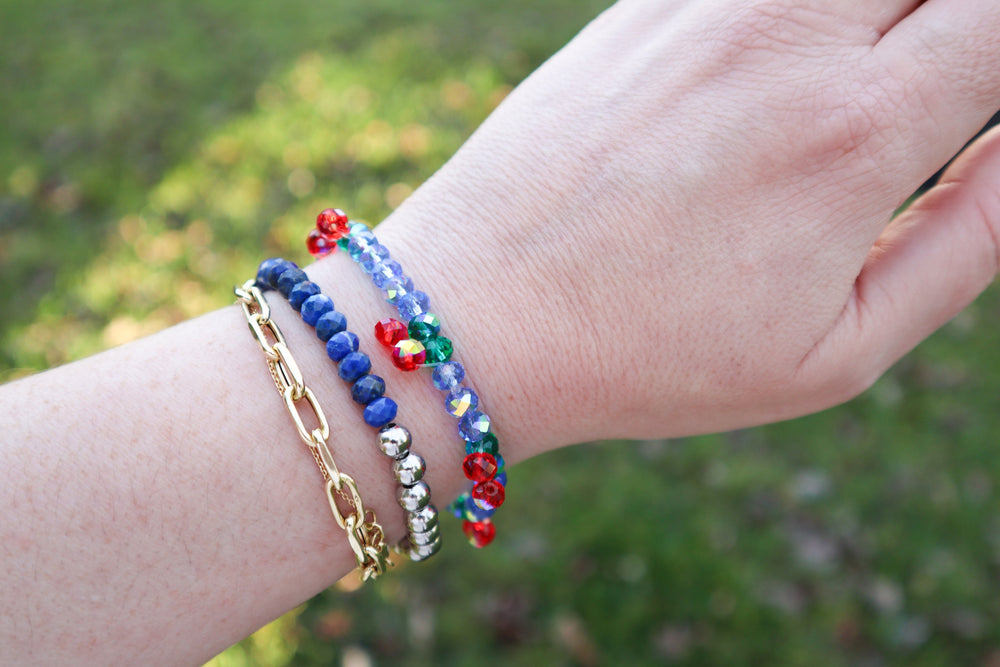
[160, 490]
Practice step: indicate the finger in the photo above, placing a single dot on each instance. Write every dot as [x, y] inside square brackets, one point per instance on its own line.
[930, 263]
[942, 57]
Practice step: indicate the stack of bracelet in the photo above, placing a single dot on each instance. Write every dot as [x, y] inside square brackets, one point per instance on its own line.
[317, 310]
[417, 341]
[364, 534]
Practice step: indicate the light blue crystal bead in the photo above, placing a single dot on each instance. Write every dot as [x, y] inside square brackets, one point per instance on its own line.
[372, 257]
[461, 401]
[413, 304]
[359, 243]
[474, 425]
[396, 291]
[387, 272]
[448, 376]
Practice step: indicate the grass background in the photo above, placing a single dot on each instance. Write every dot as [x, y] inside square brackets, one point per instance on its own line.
[152, 153]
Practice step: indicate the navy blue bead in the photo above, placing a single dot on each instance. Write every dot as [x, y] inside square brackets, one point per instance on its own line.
[314, 307]
[330, 323]
[353, 366]
[265, 277]
[289, 278]
[380, 412]
[341, 344]
[279, 270]
[367, 389]
[301, 292]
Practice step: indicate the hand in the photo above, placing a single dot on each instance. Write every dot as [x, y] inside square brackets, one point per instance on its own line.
[681, 222]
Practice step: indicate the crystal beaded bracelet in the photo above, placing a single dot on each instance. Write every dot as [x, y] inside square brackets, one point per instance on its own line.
[317, 310]
[417, 341]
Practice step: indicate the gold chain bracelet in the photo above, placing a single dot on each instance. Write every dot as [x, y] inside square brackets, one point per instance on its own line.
[364, 534]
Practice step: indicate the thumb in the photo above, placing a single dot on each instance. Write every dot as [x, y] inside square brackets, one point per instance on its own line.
[930, 263]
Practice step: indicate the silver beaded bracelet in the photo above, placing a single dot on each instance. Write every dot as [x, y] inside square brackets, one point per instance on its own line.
[423, 538]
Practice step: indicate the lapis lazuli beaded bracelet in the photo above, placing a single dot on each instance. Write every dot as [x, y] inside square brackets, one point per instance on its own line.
[416, 341]
[317, 310]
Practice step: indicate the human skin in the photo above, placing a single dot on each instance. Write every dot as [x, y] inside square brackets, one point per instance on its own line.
[679, 224]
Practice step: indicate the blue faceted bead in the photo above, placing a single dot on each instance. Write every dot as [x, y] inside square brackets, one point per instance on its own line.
[474, 425]
[412, 304]
[501, 478]
[380, 412]
[373, 256]
[341, 344]
[289, 278]
[457, 506]
[353, 366]
[388, 271]
[330, 323]
[501, 465]
[301, 292]
[397, 290]
[448, 376]
[473, 512]
[461, 401]
[359, 243]
[315, 307]
[265, 272]
[367, 389]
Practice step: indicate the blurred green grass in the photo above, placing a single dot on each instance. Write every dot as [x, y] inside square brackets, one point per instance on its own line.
[150, 155]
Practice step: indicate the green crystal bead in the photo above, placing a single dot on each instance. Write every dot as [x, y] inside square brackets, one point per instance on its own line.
[489, 445]
[439, 350]
[424, 326]
[343, 242]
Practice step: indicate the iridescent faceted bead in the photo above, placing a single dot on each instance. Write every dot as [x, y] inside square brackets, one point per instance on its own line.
[394, 441]
[410, 469]
[390, 331]
[366, 389]
[301, 292]
[479, 467]
[341, 344]
[360, 240]
[387, 272]
[315, 307]
[423, 520]
[414, 498]
[395, 291]
[330, 323]
[353, 366]
[380, 412]
[332, 223]
[319, 244]
[479, 533]
[460, 401]
[439, 350]
[489, 494]
[424, 326]
[474, 425]
[289, 278]
[457, 506]
[489, 445]
[447, 376]
[408, 355]
[473, 512]
[373, 256]
[412, 304]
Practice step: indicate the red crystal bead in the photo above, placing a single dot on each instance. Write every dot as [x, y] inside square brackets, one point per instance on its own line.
[390, 331]
[332, 222]
[480, 533]
[479, 466]
[320, 245]
[409, 354]
[489, 494]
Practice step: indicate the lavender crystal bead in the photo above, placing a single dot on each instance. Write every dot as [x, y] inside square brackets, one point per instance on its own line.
[448, 376]
[413, 304]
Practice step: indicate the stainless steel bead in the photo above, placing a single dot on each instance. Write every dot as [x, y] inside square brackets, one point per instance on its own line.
[426, 537]
[409, 469]
[414, 498]
[425, 551]
[394, 440]
[422, 520]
